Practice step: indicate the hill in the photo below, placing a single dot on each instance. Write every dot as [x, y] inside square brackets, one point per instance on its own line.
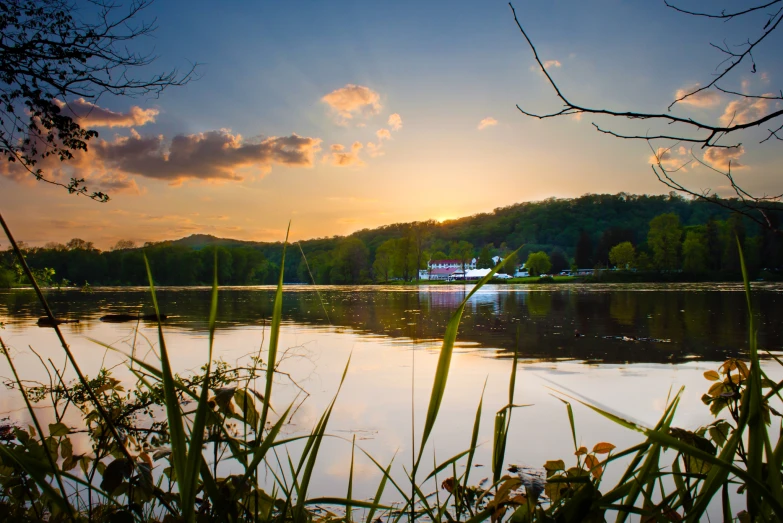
[570, 230]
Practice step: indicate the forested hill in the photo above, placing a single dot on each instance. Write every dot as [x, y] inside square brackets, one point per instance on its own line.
[594, 222]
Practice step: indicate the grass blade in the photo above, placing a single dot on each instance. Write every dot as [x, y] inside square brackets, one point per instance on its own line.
[444, 361]
[274, 338]
[474, 436]
[179, 448]
[378, 493]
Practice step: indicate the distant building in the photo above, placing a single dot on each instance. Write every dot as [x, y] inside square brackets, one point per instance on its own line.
[450, 264]
[476, 274]
[444, 274]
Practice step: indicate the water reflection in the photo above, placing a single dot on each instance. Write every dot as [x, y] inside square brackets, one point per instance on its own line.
[701, 321]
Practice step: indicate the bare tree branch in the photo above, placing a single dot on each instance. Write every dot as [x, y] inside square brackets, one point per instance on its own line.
[691, 130]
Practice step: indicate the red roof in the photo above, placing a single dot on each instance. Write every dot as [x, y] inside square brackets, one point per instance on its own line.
[444, 272]
[447, 262]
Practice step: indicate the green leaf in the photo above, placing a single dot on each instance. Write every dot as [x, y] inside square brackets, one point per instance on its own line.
[58, 429]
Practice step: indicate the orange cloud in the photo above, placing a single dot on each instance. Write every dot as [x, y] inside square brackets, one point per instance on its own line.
[487, 122]
[353, 100]
[552, 63]
[671, 159]
[340, 157]
[88, 114]
[383, 134]
[375, 150]
[395, 121]
[723, 158]
[745, 110]
[701, 99]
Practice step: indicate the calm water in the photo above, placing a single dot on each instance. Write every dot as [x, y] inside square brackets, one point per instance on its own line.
[393, 335]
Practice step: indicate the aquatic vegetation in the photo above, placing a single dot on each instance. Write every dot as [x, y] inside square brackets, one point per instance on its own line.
[157, 451]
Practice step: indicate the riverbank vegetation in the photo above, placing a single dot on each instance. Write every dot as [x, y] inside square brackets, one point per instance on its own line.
[655, 235]
[156, 450]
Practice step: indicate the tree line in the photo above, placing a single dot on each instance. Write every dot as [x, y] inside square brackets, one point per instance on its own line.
[667, 233]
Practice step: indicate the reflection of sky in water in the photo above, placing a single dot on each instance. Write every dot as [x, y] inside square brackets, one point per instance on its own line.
[375, 403]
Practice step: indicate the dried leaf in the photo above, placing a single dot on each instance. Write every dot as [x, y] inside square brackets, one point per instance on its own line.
[592, 463]
[603, 448]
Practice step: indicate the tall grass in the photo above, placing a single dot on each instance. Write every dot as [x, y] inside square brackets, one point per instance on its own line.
[674, 474]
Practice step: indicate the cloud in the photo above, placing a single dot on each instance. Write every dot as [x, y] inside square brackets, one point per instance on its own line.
[341, 157]
[552, 63]
[90, 115]
[701, 99]
[383, 134]
[395, 121]
[213, 155]
[487, 122]
[375, 150]
[745, 110]
[353, 100]
[722, 158]
[672, 159]
[765, 76]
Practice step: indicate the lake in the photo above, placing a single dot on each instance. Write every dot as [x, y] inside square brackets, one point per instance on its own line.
[625, 347]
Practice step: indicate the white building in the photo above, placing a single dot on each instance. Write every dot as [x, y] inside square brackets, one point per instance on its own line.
[450, 264]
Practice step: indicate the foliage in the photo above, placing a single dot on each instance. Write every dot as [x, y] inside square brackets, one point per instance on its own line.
[664, 241]
[538, 263]
[695, 252]
[623, 255]
[484, 260]
[559, 260]
[559, 224]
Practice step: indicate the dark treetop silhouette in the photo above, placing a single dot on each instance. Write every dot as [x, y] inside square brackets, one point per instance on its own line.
[52, 51]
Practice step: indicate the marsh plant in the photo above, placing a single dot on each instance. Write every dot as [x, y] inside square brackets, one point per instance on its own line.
[156, 451]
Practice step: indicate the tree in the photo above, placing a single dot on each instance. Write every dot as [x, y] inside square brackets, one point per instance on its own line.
[611, 237]
[584, 250]
[512, 262]
[695, 253]
[484, 260]
[78, 243]
[404, 258]
[420, 236]
[538, 263]
[623, 255]
[735, 231]
[351, 263]
[714, 244]
[664, 240]
[558, 259]
[736, 58]
[123, 244]
[381, 267]
[51, 52]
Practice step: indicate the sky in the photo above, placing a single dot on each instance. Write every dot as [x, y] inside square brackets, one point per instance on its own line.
[346, 115]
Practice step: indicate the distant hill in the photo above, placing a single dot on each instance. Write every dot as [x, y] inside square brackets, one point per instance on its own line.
[597, 222]
[199, 241]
